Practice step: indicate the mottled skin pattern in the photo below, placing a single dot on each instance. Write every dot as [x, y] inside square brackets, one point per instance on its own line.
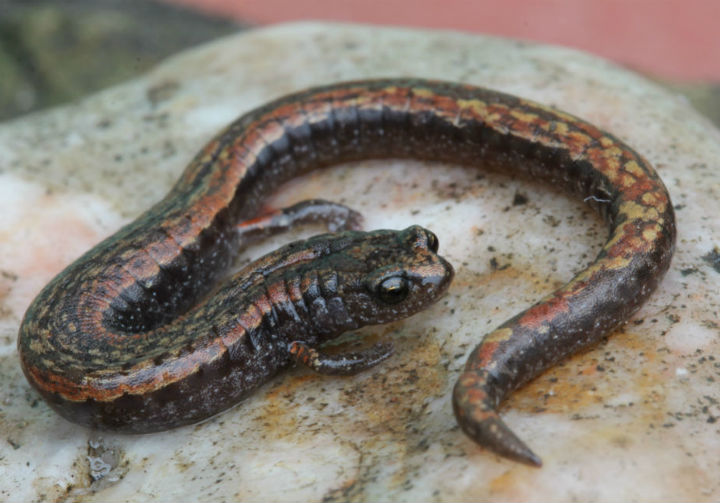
[119, 340]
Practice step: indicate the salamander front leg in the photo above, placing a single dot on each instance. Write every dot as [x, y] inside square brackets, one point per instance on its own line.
[340, 364]
[335, 216]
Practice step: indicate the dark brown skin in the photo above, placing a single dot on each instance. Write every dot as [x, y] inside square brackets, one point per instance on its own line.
[123, 340]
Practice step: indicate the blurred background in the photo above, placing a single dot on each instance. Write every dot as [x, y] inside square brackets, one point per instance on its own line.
[54, 51]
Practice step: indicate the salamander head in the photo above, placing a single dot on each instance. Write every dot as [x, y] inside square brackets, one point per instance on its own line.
[369, 278]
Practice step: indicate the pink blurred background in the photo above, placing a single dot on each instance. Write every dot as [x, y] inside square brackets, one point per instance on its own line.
[672, 39]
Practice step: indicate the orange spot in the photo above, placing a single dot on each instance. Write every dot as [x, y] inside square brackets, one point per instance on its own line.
[546, 311]
[485, 354]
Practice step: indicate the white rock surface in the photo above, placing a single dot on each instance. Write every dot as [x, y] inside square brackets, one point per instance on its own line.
[637, 418]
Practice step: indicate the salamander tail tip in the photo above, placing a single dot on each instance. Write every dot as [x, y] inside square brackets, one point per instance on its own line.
[494, 435]
[523, 454]
[479, 420]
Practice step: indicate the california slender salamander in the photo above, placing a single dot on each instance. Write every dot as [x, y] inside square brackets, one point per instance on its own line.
[121, 340]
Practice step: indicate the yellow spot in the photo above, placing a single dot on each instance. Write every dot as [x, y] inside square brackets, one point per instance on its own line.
[225, 155]
[579, 138]
[627, 180]
[423, 93]
[610, 168]
[649, 198]
[634, 168]
[612, 152]
[561, 128]
[650, 234]
[524, 116]
[605, 264]
[499, 335]
[635, 211]
[606, 142]
[478, 107]
[494, 117]
[205, 159]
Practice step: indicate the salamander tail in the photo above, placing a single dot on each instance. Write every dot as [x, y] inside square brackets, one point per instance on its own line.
[474, 403]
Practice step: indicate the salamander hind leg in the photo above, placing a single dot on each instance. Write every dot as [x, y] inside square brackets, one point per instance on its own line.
[339, 364]
[337, 217]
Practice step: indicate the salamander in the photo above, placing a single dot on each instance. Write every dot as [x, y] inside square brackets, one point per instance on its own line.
[142, 333]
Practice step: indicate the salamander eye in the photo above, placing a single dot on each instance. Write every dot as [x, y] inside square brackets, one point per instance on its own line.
[393, 290]
[432, 242]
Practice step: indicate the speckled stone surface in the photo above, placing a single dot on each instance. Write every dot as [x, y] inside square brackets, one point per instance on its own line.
[636, 418]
